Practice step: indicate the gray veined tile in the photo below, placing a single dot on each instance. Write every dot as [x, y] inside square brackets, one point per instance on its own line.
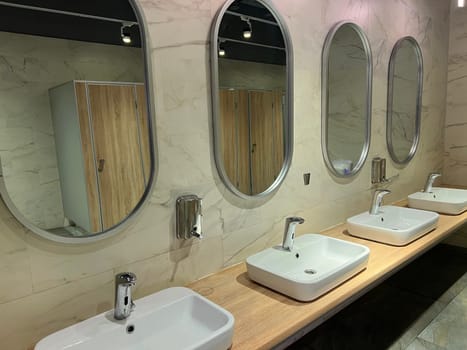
[417, 326]
[448, 329]
[420, 344]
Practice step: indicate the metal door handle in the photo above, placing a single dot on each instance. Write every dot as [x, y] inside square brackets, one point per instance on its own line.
[100, 166]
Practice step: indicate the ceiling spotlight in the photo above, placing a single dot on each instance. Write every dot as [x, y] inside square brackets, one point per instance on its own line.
[247, 31]
[125, 33]
[221, 50]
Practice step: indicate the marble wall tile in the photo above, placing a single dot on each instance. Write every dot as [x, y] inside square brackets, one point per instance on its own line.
[455, 147]
[27, 320]
[14, 258]
[56, 264]
[53, 274]
[177, 267]
[176, 23]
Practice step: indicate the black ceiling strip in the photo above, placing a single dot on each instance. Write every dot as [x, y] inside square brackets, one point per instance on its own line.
[120, 9]
[242, 52]
[64, 27]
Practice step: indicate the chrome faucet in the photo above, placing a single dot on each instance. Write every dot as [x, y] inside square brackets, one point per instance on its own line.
[123, 302]
[429, 182]
[289, 231]
[376, 201]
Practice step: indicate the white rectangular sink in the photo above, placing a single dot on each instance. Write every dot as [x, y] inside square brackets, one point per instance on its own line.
[393, 225]
[443, 200]
[315, 265]
[173, 319]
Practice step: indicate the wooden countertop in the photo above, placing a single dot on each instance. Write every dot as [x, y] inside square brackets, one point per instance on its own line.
[264, 318]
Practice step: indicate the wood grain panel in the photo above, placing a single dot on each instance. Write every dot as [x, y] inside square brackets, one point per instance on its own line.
[261, 131]
[264, 318]
[88, 156]
[228, 133]
[243, 141]
[116, 140]
[278, 125]
[143, 127]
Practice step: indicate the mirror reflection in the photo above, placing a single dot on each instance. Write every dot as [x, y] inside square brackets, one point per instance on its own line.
[74, 125]
[346, 101]
[251, 115]
[404, 100]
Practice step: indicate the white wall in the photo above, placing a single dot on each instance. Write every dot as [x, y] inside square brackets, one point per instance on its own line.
[46, 286]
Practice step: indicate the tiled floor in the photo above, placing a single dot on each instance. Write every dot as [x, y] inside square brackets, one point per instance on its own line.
[422, 307]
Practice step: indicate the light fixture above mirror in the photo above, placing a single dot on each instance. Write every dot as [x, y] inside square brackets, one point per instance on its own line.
[125, 32]
[247, 30]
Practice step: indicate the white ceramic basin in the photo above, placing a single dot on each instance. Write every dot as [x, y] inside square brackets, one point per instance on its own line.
[443, 200]
[175, 318]
[315, 265]
[393, 225]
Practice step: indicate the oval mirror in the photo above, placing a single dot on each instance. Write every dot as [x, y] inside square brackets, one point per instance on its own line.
[251, 59]
[346, 99]
[405, 81]
[76, 152]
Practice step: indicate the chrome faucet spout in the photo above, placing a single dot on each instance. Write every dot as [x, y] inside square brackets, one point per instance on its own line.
[376, 201]
[429, 182]
[123, 302]
[289, 231]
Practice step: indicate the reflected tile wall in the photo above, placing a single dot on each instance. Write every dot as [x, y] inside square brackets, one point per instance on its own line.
[29, 67]
[347, 98]
[455, 158]
[61, 285]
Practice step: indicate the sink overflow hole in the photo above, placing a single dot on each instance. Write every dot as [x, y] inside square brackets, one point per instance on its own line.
[130, 329]
[310, 271]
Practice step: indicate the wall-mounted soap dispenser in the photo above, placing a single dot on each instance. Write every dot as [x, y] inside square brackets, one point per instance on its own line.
[189, 217]
[378, 172]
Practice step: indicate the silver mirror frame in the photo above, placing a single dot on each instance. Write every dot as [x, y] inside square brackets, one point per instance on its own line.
[389, 140]
[153, 151]
[288, 127]
[324, 98]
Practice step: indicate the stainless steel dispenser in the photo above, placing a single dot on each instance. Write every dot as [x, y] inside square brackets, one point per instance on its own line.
[376, 165]
[189, 217]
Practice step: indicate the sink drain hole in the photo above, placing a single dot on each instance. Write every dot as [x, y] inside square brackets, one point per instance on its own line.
[130, 329]
[310, 271]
